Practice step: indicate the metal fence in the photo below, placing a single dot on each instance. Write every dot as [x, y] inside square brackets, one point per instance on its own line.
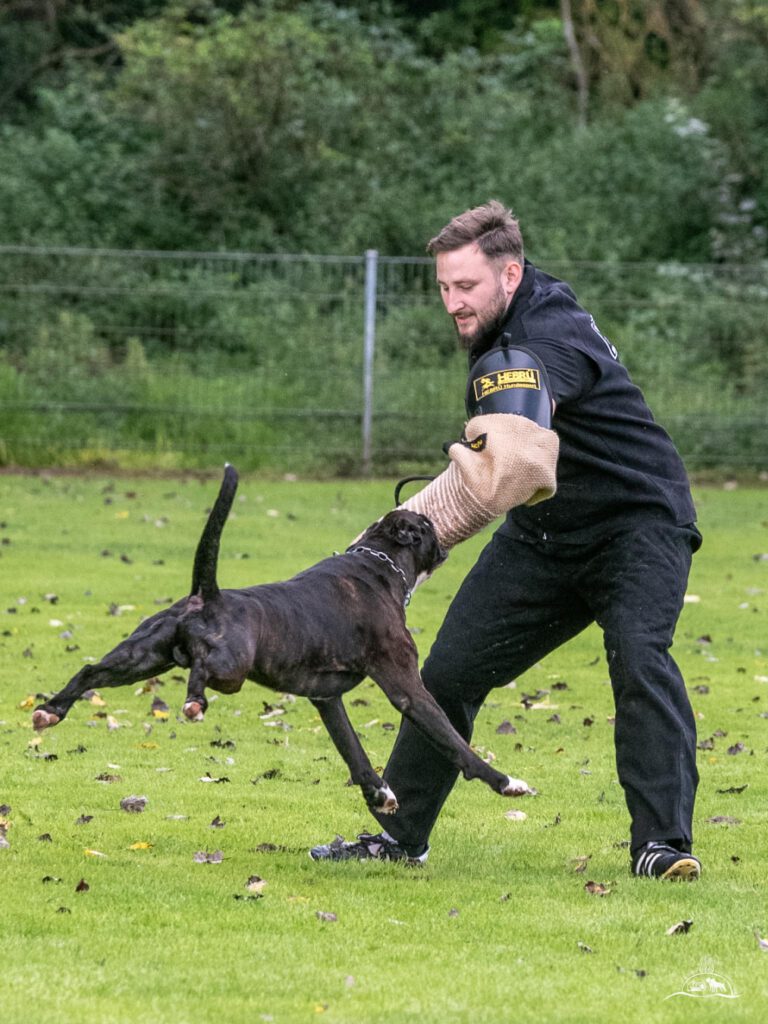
[330, 364]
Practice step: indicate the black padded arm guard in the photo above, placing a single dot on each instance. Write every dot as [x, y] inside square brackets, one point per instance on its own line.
[511, 380]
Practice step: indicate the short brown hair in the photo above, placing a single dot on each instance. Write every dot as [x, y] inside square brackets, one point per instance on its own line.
[491, 226]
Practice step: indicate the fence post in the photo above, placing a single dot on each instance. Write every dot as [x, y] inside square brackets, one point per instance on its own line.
[369, 345]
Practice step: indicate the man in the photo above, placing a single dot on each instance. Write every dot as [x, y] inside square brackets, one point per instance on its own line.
[613, 545]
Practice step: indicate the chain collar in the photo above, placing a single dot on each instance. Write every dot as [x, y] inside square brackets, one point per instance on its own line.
[384, 557]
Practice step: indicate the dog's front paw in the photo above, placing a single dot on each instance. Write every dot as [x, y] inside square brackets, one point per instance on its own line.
[42, 719]
[193, 709]
[385, 801]
[518, 787]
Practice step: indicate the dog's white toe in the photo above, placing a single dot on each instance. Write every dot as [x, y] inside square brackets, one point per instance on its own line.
[194, 711]
[517, 787]
[43, 720]
[389, 801]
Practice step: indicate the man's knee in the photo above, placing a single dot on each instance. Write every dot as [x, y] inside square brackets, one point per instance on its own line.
[640, 660]
[451, 690]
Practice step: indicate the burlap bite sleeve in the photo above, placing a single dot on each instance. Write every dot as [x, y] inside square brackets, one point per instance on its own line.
[502, 461]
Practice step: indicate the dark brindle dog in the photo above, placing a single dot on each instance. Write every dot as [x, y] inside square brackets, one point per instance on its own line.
[317, 635]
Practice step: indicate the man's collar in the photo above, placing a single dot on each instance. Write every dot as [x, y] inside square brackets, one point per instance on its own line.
[524, 289]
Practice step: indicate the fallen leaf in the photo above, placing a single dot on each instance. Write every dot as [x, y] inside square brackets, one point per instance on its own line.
[134, 804]
[106, 777]
[217, 822]
[45, 838]
[325, 915]
[723, 819]
[681, 928]
[201, 857]
[82, 886]
[50, 878]
[84, 819]
[149, 686]
[160, 709]
[209, 778]
[581, 864]
[453, 912]
[597, 889]
[255, 884]
[515, 815]
[761, 943]
[140, 846]
[506, 728]
[584, 947]
[93, 853]
[734, 789]
[270, 712]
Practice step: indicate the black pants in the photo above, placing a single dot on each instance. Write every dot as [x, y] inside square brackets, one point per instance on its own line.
[523, 599]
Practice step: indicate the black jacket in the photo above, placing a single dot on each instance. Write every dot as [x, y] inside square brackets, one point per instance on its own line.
[615, 461]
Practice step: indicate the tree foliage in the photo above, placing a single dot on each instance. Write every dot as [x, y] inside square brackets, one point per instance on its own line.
[308, 125]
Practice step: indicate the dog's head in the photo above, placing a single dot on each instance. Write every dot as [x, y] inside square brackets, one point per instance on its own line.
[402, 531]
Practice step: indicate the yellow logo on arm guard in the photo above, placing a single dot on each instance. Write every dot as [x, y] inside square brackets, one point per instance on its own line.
[504, 380]
[477, 444]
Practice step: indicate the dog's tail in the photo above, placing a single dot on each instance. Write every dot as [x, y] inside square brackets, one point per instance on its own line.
[207, 555]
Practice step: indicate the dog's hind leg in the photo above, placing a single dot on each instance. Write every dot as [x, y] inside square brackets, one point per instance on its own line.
[408, 694]
[147, 652]
[377, 793]
[196, 704]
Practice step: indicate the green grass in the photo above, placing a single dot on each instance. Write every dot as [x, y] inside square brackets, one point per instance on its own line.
[490, 930]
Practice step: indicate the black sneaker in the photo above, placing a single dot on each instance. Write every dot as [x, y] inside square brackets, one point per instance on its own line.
[366, 847]
[660, 860]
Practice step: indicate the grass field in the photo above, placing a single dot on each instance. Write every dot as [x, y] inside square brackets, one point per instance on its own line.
[128, 918]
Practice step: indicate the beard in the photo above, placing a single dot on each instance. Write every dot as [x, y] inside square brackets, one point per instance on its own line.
[489, 323]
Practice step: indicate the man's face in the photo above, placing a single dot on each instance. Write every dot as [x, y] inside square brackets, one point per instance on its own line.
[476, 291]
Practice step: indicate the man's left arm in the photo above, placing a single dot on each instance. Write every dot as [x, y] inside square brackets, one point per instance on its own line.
[507, 455]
